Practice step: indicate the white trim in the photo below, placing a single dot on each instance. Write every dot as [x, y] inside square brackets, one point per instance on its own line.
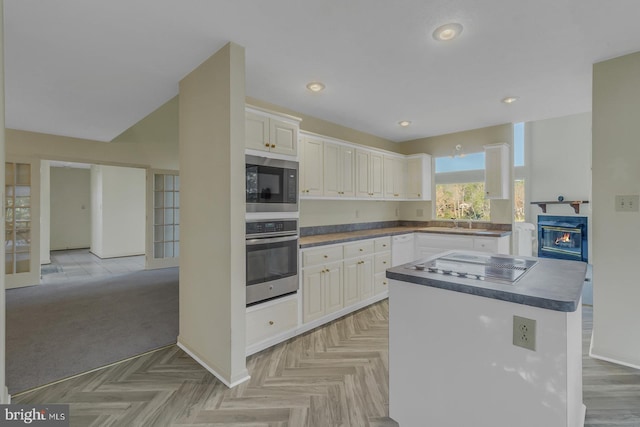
[609, 359]
[270, 155]
[5, 397]
[272, 114]
[211, 370]
[304, 133]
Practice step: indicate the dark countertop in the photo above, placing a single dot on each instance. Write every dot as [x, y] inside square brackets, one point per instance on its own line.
[550, 284]
[351, 236]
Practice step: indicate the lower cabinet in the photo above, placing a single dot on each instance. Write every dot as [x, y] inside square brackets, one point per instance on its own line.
[336, 277]
[270, 319]
[322, 290]
[358, 279]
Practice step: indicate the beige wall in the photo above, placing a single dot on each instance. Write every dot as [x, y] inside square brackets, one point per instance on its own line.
[616, 235]
[151, 142]
[212, 256]
[332, 212]
[70, 214]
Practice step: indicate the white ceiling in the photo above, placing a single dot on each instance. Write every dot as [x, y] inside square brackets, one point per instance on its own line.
[91, 69]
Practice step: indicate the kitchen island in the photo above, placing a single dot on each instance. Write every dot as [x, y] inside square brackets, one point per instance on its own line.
[486, 340]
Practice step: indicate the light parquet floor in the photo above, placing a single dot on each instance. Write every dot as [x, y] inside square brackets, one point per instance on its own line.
[336, 375]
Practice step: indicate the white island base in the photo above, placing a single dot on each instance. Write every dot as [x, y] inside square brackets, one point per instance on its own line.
[452, 362]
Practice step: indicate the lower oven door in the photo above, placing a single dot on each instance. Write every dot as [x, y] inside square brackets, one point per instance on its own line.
[272, 267]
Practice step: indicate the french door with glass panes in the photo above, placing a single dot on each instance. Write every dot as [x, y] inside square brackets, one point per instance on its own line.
[163, 219]
[22, 223]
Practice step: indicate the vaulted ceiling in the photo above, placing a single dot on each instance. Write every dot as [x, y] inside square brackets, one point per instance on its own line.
[91, 69]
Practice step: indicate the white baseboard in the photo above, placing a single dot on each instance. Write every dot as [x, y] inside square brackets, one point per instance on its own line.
[609, 359]
[301, 329]
[584, 415]
[224, 381]
[5, 397]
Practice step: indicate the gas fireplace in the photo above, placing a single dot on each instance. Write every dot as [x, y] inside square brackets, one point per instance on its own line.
[562, 237]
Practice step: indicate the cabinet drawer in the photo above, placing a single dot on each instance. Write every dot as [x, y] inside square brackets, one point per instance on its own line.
[485, 244]
[321, 255]
[363, 247]
[382, 244]
[382, 262]
[269, 321]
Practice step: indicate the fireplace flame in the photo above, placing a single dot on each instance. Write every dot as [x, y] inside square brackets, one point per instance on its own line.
[565, 238]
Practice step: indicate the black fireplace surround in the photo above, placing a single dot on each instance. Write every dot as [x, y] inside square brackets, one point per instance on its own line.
[563, 237]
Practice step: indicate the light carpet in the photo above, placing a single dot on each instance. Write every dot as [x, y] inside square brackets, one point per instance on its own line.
[59, 330]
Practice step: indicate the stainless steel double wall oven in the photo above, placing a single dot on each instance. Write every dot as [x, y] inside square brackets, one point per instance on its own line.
[271, 239]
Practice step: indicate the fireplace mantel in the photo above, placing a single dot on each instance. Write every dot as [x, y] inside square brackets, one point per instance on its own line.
[575, 204]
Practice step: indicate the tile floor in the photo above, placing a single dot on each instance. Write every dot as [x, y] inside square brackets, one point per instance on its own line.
[80, 264]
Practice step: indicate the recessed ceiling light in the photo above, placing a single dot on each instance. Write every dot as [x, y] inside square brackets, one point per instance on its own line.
[315, 86]
[404, 123]
[510, 99]
[447, 32]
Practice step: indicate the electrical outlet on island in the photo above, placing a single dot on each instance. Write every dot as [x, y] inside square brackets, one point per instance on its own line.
[524, 332]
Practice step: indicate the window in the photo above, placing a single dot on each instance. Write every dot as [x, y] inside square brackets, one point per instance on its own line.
[460, 188]
[519, 172]
[166, 223]
[17, 218]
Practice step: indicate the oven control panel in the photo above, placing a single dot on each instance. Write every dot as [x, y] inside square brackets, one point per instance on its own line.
[284, 226]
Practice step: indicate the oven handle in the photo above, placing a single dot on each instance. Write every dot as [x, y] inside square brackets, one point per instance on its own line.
[251, 242]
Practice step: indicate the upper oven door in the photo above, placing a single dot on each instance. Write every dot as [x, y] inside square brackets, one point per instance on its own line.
[271, 185]
[272, 258]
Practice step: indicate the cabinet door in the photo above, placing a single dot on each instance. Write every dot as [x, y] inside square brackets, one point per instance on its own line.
[362, 174]
[312, 293]
[376, 175]
[256, 132]
[365, 277]
[283, 137]
[332, 170]
[380, 283]
[389, 168]
[350, 286]
[347, 155]
[312, 165]
[333, 292]
[418, 185]
[496, 172]
[414, 179]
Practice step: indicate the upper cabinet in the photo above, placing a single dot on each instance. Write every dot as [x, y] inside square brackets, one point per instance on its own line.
[369, 174]
[266, 132]
[496, 171]
[334, 169]
[418, 177]
[395, 177]
[339, 176]
[311, 167]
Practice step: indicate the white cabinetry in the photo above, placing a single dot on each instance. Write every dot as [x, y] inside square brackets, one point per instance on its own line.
[267, 133]
[268, 320]
[394, 177]
[428, 244]
[418, 184]
[322, 290]
[369, 174]
[358, 267]
[311, 167]
[339, 176]
[496, 175]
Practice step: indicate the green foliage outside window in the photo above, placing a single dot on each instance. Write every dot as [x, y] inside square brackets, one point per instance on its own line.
[462, 201]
